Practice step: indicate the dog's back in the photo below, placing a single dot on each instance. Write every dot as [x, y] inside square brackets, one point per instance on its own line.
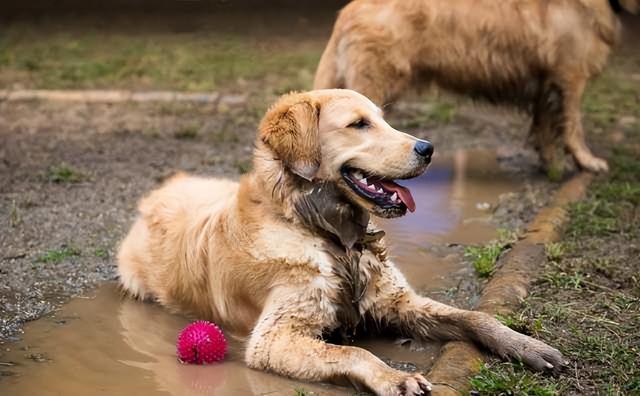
[165, 256]
[497, 50]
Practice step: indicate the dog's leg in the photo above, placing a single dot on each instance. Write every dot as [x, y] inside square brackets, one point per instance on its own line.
[547, 109]
[574, 138]
[396, 303]
[287, 341]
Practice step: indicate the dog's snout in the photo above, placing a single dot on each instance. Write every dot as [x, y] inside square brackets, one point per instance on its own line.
[423, 148]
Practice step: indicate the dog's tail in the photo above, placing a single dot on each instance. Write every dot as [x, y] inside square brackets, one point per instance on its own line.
[327, 73]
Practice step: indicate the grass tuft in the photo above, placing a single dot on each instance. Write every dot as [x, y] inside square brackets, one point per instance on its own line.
[485, 257]
[101, 253]
[57, 255]
[64, 174]
[521, 323]
[554, 251]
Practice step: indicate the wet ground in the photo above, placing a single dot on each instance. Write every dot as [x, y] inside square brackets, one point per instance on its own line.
[108, 342]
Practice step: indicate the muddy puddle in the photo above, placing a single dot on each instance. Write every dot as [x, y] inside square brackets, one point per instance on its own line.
[107, 344]
[454, 200]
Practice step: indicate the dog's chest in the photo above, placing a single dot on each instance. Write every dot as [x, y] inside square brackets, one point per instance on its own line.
[356, 269]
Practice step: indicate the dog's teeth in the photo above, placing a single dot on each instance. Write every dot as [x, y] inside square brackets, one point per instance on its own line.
[371, 187]
[363, 180]
[394, 197]
[380, 191]
[357, 175]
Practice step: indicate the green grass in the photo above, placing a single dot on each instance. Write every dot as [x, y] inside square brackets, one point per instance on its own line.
[521, 323]
[608, 96]
[101, 253]
[512, 379]
[554, 251]
[189, 61]
[484, 257]
[442, 112]
[601, 213]
[64, 174]
[57, 255]
[563, 280]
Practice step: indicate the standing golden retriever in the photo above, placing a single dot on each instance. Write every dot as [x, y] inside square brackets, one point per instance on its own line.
[536, 54]
[289, 253]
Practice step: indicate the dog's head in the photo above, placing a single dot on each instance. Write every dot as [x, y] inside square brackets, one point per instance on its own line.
[339, 136]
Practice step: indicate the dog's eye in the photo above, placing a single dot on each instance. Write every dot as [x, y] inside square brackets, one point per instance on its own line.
[360, 124]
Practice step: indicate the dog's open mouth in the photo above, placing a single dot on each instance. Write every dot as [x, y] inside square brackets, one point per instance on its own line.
[385, 193]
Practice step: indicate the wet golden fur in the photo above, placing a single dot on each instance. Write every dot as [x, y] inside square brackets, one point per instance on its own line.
[535, 54]
[289, 253]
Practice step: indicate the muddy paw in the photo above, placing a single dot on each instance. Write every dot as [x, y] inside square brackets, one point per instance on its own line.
[592, 164]
[405, 384]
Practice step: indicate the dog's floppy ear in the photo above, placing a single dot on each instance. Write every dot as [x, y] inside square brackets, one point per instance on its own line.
[290, 129]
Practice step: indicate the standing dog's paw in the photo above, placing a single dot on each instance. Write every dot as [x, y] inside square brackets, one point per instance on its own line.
[404, 384]
[591, 163]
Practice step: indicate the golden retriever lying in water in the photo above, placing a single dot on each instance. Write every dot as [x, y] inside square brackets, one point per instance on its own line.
[535, 54]
[289, 253]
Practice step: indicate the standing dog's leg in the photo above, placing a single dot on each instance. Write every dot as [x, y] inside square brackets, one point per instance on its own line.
[545, 130]
[287, 341]
[396, 303]
[572, 90]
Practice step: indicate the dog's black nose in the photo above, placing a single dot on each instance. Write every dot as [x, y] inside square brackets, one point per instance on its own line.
[423, 148]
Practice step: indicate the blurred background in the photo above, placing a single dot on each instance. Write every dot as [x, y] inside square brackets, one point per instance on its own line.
[186, 45]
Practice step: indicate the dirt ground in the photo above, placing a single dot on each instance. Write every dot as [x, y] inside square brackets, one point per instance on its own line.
[70, 173]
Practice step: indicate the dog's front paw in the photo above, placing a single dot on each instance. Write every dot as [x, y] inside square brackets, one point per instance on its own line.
[399, 383]
[534, 353]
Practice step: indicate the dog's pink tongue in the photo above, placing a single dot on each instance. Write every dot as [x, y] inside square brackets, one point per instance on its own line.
[403, 193]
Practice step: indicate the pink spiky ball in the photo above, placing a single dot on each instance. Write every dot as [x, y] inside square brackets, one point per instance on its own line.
[201, 342]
